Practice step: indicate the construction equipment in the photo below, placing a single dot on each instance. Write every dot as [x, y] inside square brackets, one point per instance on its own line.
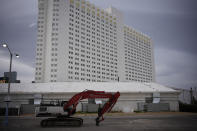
[70, 108]
[48, 108]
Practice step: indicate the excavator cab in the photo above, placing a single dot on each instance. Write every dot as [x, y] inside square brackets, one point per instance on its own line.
[70, 110]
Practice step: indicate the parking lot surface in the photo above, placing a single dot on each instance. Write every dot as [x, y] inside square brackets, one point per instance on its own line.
[117, 122]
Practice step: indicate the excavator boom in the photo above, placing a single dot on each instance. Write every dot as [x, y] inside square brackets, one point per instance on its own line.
[71, 105]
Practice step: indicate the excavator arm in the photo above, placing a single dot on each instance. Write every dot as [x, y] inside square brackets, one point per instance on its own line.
[71, 105]
[70, 108]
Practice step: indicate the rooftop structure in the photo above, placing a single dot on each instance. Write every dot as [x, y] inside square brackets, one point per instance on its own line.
[72, 87]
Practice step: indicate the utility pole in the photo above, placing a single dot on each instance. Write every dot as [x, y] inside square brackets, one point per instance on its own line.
[191, 95]
[7, 98]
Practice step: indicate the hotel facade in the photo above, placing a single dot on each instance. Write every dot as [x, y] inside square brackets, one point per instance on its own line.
[78, 41]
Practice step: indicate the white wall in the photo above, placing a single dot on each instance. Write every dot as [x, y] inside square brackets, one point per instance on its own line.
[127, 102]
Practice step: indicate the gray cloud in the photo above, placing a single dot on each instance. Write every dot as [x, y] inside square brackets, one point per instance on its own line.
[15, 9]
[17, 28]
[17, 17]
[177, 70]
[25, 71]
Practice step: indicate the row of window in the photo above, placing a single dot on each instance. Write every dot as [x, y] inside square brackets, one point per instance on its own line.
[39, 50]
[89, 12]
[98, 79]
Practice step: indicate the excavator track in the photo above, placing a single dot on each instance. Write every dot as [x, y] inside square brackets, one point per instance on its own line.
[62, 121]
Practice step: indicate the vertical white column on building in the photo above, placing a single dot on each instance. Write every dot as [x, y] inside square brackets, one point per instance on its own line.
[48, 31]
[120, 42]
[153, 61]
[62, 63]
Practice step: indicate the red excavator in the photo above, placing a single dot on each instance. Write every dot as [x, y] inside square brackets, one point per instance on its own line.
[70, 108]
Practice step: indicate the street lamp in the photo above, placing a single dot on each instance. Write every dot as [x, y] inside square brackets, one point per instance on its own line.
[7, 100]
[4, 45]
[17, 56]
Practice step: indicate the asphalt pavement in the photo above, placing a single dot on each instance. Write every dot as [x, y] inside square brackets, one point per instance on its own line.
[117, 122]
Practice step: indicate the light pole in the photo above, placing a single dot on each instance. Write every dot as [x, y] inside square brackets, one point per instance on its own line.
[7, 100]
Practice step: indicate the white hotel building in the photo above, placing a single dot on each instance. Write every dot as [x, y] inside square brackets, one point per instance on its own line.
[78, 41]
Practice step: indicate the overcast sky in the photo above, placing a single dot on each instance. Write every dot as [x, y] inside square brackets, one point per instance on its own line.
[172, 24]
